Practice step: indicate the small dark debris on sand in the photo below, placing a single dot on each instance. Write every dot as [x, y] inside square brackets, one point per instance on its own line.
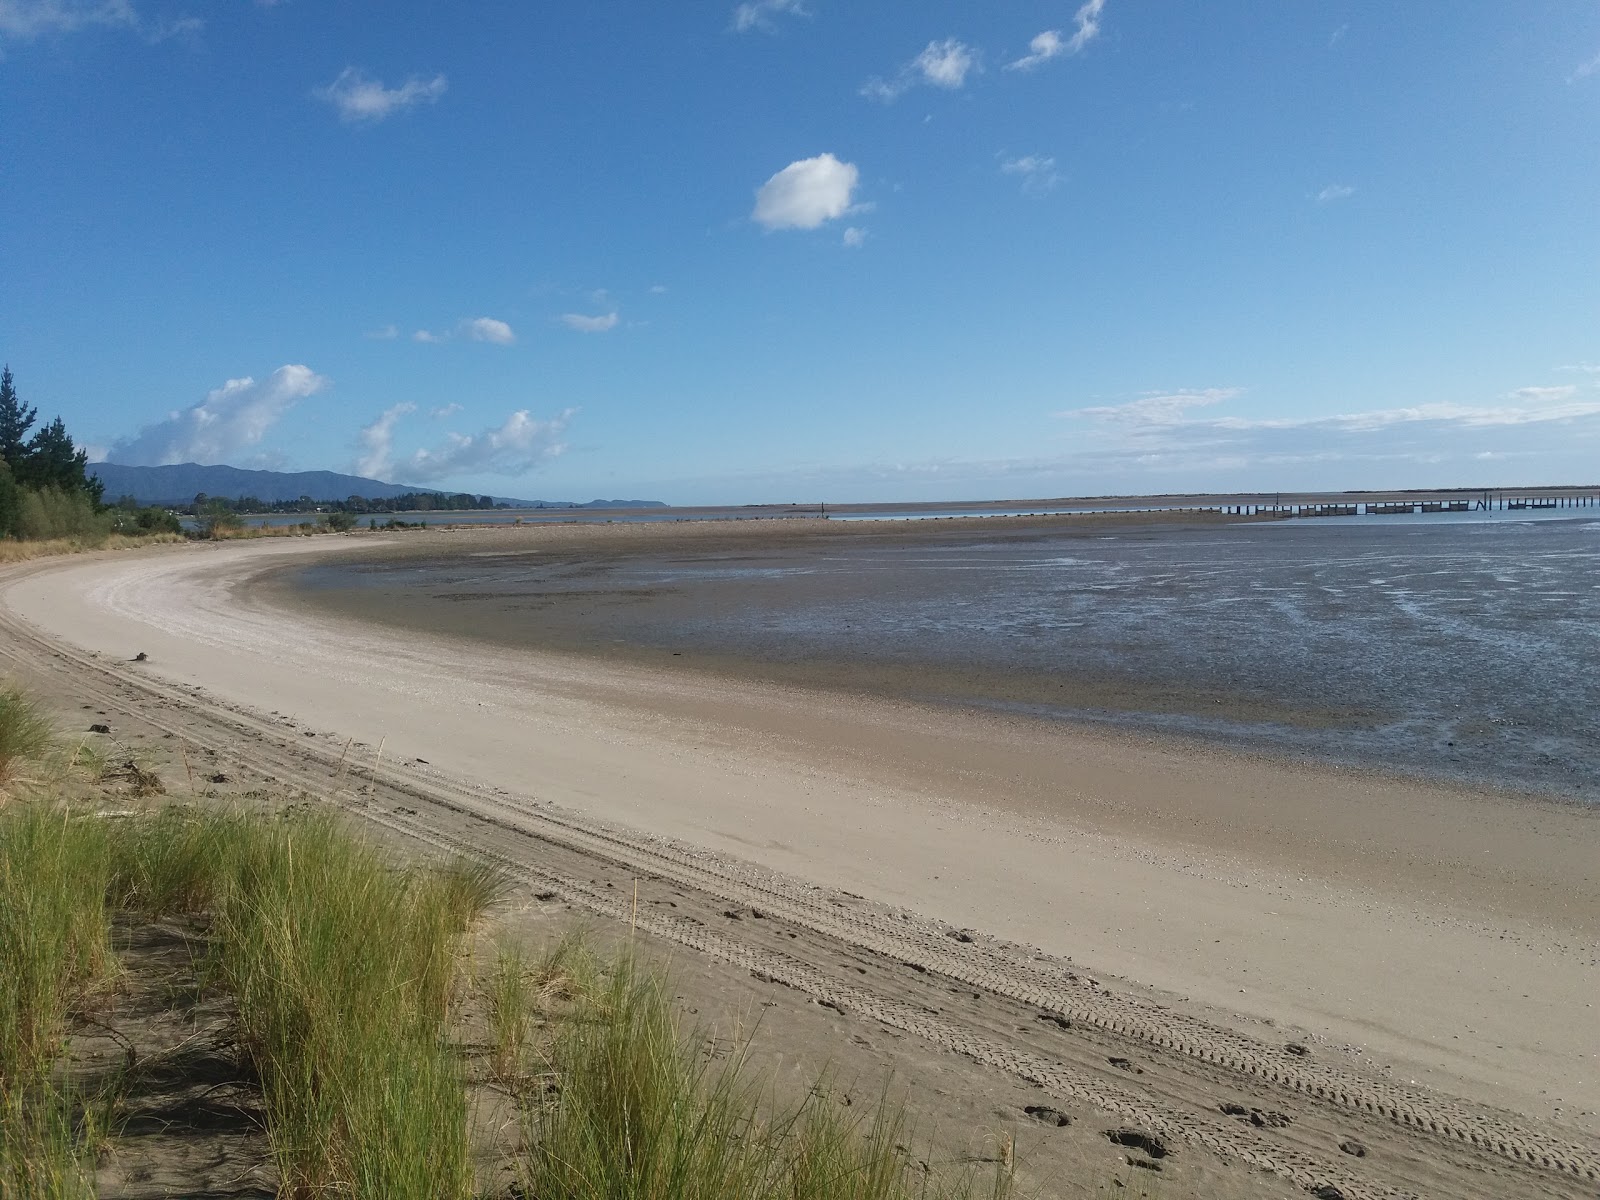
[1137, 1139]
[1046, 1115]
[1354, 1147]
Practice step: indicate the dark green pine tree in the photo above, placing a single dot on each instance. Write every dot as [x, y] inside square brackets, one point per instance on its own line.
[15, 421]
[53, 461]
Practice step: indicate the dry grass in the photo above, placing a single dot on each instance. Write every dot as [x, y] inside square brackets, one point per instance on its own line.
[15, 552]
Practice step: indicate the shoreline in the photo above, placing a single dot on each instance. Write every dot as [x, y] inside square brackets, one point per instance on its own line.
[1438, 931]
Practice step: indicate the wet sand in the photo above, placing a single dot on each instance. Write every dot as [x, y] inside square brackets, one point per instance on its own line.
[1445, 935]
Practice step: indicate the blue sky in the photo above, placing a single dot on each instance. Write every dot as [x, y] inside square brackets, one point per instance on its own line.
[802, 249]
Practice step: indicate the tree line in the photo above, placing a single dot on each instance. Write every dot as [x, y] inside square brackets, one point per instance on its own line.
[46, 490]
[359, 505]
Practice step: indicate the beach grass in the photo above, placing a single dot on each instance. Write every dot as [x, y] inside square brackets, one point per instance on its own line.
[632, 1107]
[54, 951]
[26, 734]
[347, 972]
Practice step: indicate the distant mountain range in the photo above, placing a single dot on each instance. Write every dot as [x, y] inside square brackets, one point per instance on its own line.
[181, 483]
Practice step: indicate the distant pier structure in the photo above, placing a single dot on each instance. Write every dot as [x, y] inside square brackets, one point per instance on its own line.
[1486, 502]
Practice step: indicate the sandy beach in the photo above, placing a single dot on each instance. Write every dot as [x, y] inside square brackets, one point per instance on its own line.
[1409, 934]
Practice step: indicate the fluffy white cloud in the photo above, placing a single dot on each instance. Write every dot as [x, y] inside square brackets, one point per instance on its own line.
[377, 442]
[806, 193]
[231, 418]
[1335, 191]
[943, 64]
[516, 447]
[579, 323]
[427, 338]
[359, 99]
[487, 329]
[1037, 171]
[758, 14]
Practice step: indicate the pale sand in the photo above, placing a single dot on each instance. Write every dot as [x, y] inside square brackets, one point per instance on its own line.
[1449, 935]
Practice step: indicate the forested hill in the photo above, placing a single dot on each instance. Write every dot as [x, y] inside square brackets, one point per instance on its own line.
[181, 483]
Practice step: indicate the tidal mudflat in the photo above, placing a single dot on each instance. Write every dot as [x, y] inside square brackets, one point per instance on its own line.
[1462, 651]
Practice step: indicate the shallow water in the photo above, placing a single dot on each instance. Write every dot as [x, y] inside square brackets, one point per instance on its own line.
[1464, 650]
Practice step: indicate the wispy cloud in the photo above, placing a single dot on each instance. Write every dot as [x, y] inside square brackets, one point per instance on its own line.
[759, 14]
[360, 100]
[1335, 191]
[1585, 70]
[387, 333]
[377, 442]
[27, 19]
[1044, 46]
[582, 323]
[942, 64]
[1157, 408]
[1037, 172]
[230, 419]
[854, 237]
[445, 411]
[473, 329]
[516, 447]
[806, 193]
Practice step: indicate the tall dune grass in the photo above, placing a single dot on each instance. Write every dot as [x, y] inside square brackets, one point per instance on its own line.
[54, 946]
[25, 733]
[343, 969]
[641, 1112]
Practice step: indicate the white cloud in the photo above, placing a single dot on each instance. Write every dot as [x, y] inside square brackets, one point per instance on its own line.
[31, 18]
[516, 447]
[387, 334]
[231, 418]
[1592, 67]
[1042, 49]
[1037, 171]
[1157, 408]
[658, 289]
[855, 237]
[377, 442]
[26, 19]
[1087, 21]
[474, 329]
[943, 64]
[1335, 191]
[487, 329]
[579, 323]
[447, 410]
[758, 14]
[1536, 395]
[946, 64]
[360, 99]
[806, 193]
